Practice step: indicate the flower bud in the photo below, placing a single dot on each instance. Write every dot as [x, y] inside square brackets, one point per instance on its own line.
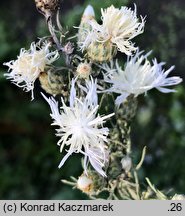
[178, 197]
[68, 48]
[54, 83]
[83, 70]
[101, 51]
[88, 13]
[126, 163]
[84, 25]
[85, 183]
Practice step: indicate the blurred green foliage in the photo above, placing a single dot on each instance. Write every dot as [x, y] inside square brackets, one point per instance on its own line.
[29, 155]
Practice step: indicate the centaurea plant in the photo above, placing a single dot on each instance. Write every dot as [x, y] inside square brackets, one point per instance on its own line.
[90, 73]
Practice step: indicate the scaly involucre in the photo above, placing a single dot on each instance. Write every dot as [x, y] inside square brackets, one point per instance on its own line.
[119, 26]
[25, 70]
[138, 76]
[81, 128]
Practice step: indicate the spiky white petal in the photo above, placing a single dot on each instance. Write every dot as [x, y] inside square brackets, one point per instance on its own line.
[138, 76]
[119, 26]
[25, 70]
[81, 128]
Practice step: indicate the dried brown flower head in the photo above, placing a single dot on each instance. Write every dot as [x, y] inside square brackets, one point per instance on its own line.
[47, 7]
[54, 83]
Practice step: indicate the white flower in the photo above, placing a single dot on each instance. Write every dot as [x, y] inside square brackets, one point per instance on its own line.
[119, 26]
[138, 76]
[81, 128]
[25, 70]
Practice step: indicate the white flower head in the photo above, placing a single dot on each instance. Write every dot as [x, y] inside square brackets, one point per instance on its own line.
[81, 128]
[119, 26]
[138, 76]
[26, 68]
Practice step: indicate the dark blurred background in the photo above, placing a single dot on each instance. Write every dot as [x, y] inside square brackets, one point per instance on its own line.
[29, 156]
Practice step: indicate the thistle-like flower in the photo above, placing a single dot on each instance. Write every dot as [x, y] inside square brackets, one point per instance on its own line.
[138, 76]
[119, 27]
[29, 64]
[81, 128]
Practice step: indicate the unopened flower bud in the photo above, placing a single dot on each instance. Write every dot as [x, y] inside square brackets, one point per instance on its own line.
[88, 13]
[178, 197]
[84, 27]
[126, 163]
[54, 83]
[68, 48]
[101, 51]
[85, 183]
[47, 7]
[83, 70]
